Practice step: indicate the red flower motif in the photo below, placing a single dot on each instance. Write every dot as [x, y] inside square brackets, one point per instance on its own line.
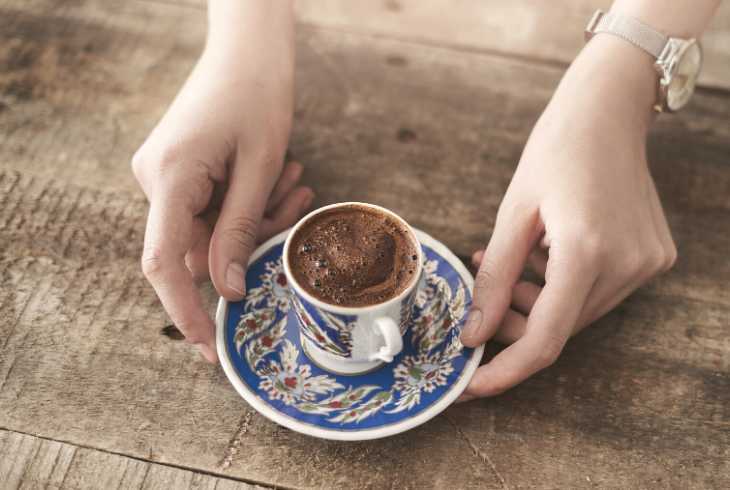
[291, 382]
[267, 341]
[281, 279]
[251, 324]
[335, 404]
[319, 337]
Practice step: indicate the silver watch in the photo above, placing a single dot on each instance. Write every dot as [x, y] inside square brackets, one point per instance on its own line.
[678, 61]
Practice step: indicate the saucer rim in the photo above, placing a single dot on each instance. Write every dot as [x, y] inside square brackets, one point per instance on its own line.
[253, 399]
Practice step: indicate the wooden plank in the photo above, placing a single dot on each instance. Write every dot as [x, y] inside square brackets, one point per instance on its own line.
[347, 128]
[641, 396]
[28, 462]
[84, 361]
[549, 31]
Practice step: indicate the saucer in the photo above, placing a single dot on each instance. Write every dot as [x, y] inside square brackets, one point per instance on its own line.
[262, 354]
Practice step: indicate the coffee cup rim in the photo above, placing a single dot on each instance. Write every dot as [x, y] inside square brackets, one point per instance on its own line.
[350, 310]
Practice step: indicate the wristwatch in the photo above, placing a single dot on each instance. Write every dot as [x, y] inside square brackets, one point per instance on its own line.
[678, 61]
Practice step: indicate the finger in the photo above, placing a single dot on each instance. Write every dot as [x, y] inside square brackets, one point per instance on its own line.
[663, 231]
[291, 208]
[287, 181]
[216, 198]
[549, 326]
[235, 232]
[514, 235]
[167, 239]
[476, 258]
[464, 397]
[538, 261]
[196, 258]
[524, 295]
[604, 298]
[512, 328]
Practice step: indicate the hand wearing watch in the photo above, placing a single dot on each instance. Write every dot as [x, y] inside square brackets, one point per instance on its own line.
[678, 61]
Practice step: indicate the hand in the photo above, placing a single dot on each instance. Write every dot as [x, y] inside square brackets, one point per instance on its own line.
[213, 162]
[582, 208]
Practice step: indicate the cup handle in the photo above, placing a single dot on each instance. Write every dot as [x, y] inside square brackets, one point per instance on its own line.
[390, 332]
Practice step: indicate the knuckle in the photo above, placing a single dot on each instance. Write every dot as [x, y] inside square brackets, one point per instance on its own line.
[168, 157]
[151, 263]
[149, 163]
[550, 351]
[491, 286]
[671, 257]
[486, 275]
[655, 260]
[194, 338]
[511, 210]
[241, 231]
[270, 154]
[586, 244]
[633, 260]
[592, 245]
[137, 163]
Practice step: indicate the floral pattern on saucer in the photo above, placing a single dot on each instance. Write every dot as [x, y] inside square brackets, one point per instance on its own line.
[263, 343]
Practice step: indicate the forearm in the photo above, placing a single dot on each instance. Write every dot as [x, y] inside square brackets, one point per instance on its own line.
[250, 28]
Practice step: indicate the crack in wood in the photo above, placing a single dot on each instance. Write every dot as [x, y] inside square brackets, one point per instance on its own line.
[11, 209]
[484, 457]
[146, 474]
[55, 460]
[22, 310]
[76, 446]
[68, 468]
[235, 442]
[24, 476]
[7, 375]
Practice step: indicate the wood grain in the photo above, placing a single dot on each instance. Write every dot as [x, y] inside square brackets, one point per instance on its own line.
[28, 462]
[348, 134]
[546, 32]
[550, 32]
[639, 400]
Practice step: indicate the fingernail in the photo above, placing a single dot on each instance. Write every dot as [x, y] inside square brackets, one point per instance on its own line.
[208, 353]
[464, 398]
[234, 277]
[473, 324]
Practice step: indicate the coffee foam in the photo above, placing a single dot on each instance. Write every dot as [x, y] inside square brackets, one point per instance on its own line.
[353, 256]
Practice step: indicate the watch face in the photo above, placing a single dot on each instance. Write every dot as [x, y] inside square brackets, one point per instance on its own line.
[686, 69]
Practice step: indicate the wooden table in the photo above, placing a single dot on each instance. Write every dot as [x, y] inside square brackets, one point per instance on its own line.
[421, 106]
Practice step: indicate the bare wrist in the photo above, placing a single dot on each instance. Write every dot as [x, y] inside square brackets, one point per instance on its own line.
[613, 78]
[234, 25]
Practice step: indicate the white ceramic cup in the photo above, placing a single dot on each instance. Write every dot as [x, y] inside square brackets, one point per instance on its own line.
[352, 340]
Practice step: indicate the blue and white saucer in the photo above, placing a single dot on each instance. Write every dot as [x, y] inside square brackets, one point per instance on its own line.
[261, 352]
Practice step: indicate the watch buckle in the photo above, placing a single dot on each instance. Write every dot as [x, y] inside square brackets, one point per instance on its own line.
[592, 24]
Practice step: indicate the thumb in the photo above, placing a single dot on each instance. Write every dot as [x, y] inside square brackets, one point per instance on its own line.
[515, 233]
[234, 236]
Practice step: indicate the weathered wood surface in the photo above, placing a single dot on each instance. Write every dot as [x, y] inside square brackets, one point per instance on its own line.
[642, 399]
[546, 31]
[28, 462]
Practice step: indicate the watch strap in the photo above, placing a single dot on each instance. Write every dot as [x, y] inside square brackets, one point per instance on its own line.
[628, 28]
